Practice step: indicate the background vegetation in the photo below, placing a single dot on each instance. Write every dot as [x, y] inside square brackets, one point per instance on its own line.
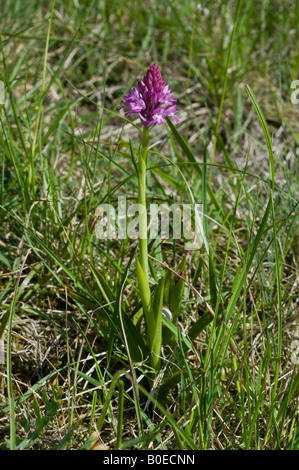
[231, 379]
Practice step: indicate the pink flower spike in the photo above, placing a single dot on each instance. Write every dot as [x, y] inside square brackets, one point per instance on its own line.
[152, 100]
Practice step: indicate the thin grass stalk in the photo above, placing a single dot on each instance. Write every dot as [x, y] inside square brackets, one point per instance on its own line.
[120, 413]
[226, 76]
[11, 401]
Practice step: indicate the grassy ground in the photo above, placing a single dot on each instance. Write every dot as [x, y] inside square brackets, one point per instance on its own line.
[67, 380]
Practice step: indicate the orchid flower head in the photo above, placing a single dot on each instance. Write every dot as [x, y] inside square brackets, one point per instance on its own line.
[152, 100]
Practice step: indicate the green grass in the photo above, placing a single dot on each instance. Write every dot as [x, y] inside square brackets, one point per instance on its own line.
[76, 369]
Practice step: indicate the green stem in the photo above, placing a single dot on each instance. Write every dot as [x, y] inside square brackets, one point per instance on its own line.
[152, 309]
[142, 201]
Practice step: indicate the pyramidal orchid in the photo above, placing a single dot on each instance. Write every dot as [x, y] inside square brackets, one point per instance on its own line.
[153, 101]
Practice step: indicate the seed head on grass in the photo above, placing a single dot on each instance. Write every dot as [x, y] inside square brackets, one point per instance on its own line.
[152, 100]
